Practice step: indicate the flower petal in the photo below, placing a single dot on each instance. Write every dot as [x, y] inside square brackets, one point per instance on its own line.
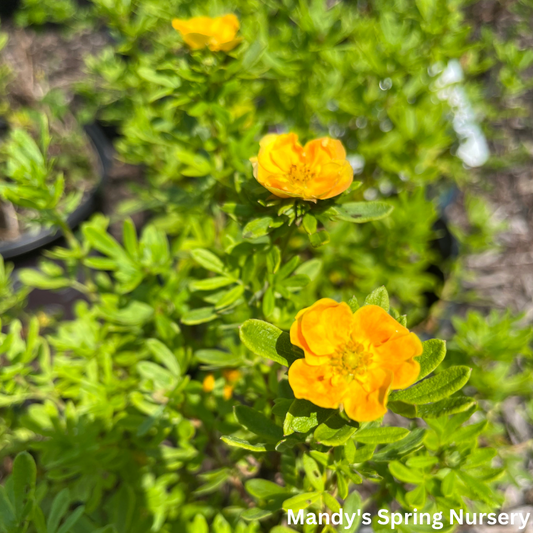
[321, 151]
[344, 180]
[374, 324]
[363, 405]
[399, 349]
[196, 41]
[405, 374]
[321, 335]
[314, 383]
[225, 47]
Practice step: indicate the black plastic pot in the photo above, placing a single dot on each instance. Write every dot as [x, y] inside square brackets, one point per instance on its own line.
[8, 8]
[33, 241]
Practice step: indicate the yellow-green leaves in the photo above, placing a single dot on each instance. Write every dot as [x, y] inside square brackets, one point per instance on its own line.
[381, 435]
[432, 356]
[435, 388]
[258, 424]
[379, 297]
[303, 416]
[360, 212]
[268, 341]
[335, 431]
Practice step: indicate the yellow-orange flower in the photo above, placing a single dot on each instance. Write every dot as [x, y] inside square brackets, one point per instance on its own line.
[227, 393]
[353, 359]
[216, 33]
[209, 383]
[316, 171]
[231, 375]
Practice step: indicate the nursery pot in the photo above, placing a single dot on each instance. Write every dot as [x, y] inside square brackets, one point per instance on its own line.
[30, 242]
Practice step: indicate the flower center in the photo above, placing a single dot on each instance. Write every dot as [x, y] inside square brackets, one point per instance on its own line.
[352, 360]
[301, 174]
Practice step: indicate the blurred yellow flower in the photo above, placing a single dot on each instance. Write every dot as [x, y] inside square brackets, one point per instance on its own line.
[231, 375]
[353, 359]
[216, 33]
[316, 171]
[228, 392]
[209, 383]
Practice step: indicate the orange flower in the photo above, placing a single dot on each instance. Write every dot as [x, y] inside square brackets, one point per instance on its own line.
[231, 375]
[216, 33]
[353, 359]
[227, 393]
[316, 171]
[209, 383]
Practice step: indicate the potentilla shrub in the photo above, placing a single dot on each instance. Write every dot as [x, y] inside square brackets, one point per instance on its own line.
[211, 378]
[166, 403]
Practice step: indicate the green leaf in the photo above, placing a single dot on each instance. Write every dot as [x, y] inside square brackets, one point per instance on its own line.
[230, 297]
[301, 501]
[432, 356]
[38, 519]
[255, 514]
[480, 457]
[310, 268]
[448, 484]
[218, 358]
[257, 228]
[148, 74]
[303, 416]
[416, 498]
[331, 503]
[379, 297]
[273, 259]
[263, 489]
[60, 506]
[72, 520]
[134, 314]
[422, 461]
[319, 239]
[38, 280]
[353, 303]
[253, 54]
[199, 316]
[383, 435]
[352, 506]
[129, 239]
[405, 474]
[269, 302]
[208, 260]
[358, 455]
[449, 406]
[309, 223]
[479, 488]
[360, 212]
[24, 476]
[403, 409]
[468, 432]
[210, 284]
[103, 242]
[268, 341]
[411, 443]
[313, 473]
[334, 432]
[435, 388]
[7, 513]
[164, 356]
[244, 444]
[258, 423]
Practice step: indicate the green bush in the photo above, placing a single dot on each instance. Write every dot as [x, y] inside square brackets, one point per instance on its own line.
[164, 404]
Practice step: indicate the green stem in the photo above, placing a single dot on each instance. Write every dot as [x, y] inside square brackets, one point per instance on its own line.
[67, 232]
